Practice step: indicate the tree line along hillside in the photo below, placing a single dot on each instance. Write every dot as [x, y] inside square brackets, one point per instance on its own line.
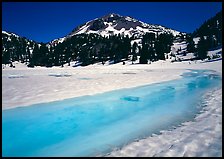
[85, 48]
[210, 37]
[92, 48]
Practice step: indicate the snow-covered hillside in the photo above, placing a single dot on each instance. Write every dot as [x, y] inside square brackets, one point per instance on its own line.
[179, 52]
[9, 34]
[13, 43]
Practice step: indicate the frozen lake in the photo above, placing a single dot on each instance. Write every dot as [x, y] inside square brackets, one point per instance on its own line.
[94, 125]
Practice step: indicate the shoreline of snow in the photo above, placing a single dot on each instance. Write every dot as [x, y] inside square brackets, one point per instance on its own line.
[22, 86]
[201, 137]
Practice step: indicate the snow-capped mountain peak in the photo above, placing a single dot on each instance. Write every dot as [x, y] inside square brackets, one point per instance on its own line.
[114, 24]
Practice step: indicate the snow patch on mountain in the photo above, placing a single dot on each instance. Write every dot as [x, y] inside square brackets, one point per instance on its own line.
[9, 34]
[115, 24]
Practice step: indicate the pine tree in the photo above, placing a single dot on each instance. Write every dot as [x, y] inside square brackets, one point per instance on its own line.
[27, 54]
[159, 49]
[151, 53]
[84, 56]
[134, 52]
[144, 54]
[43, 55]
[202, 49]
[190, 45]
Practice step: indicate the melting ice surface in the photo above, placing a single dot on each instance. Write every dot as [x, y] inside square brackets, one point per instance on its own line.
[94, 125]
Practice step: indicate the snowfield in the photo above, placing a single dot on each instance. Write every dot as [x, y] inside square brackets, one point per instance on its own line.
[22, 86]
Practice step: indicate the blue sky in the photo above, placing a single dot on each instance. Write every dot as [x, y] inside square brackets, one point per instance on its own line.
[45, 21]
